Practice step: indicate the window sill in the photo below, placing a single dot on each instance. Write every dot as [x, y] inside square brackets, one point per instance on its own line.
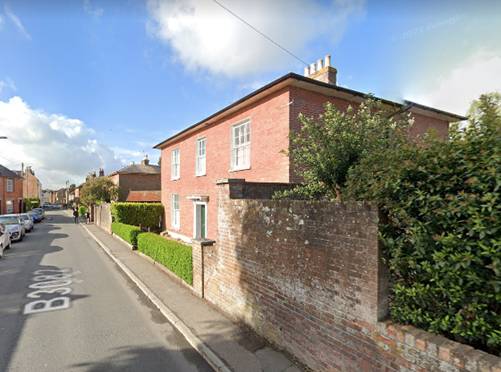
[175, 228]
[201, 175]
[239, 169]
[175, 179]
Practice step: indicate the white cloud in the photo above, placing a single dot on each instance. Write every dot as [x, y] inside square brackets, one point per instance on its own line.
[17, 22]
[57, 147]
[95, 12]
[455, 91]
[203, 35]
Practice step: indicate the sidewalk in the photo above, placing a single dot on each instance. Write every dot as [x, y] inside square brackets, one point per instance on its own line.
[226, 346]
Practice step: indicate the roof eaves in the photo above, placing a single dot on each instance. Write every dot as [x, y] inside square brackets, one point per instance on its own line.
[361, 96]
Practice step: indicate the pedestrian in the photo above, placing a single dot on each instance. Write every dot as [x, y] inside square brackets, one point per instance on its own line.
[87, 217]
[75, 214]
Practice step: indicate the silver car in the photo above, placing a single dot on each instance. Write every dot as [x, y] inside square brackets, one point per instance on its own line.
[28, 221]
[4, 239]
[15, 225]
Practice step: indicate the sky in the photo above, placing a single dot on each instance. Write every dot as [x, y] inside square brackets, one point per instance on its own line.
[90, 84]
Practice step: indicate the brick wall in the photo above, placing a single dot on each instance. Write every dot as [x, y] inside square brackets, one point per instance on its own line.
[137, 181]
[308, 276]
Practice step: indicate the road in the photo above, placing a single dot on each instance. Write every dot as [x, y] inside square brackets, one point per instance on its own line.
[65, 306]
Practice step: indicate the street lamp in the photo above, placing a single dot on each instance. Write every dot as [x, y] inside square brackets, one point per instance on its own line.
[3, 137]
[67, 191]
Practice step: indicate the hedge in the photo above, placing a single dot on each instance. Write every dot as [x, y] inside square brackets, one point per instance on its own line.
[175, 256]
[126, 232]
[443, 233]
[145, 214]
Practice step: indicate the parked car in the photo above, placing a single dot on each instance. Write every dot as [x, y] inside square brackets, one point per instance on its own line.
[15, 225]
[28, 221]
[4, 239]
[47, 206]
[36, 215]
[41, 211]
[56, 206]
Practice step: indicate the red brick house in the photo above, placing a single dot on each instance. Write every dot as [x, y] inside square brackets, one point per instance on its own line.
[11, 191]
[244, 140]
[136, 177]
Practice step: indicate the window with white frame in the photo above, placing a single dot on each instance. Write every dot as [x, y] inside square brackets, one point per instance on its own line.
[200, 157]
[175, 215]
[10, 206]
[10, 186]
[240, 145]
[175, 164]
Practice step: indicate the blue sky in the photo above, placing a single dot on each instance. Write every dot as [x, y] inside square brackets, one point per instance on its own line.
[89, 84]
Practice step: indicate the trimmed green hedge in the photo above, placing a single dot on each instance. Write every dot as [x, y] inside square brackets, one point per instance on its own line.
[126, 232]
[175, 256]
[146, 214]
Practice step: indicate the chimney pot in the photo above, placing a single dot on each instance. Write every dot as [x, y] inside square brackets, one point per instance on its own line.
[145, 160]
[327, 61]
[320, 64]
[312, 68]
[307, 71]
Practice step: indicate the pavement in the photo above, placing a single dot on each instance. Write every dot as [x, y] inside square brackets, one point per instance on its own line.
[224, 344]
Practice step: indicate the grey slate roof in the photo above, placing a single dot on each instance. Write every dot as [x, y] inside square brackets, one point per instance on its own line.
[6, 173]
[137, 169]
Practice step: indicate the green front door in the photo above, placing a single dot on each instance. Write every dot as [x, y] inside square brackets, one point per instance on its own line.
[202, 221]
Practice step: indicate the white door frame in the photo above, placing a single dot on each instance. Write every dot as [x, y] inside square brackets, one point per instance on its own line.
[197, 219]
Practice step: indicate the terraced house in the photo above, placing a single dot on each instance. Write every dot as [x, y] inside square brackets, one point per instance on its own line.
[243, 141]
[11, 191]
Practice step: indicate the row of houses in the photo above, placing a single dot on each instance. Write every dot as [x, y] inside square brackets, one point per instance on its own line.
[243, 142]
[15, 186]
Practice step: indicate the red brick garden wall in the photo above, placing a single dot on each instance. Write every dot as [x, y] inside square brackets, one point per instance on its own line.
[308, 276]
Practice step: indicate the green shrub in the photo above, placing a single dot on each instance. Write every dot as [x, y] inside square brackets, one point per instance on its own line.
[35, 202]
[29, 207]
[82, 210]
[146, 214]
[175, 256]
[126, 232]
[443, 232]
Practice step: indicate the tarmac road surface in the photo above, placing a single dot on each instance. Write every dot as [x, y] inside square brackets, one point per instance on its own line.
[64, 306]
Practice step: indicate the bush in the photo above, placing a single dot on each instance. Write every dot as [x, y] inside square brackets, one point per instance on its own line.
[126, 232]
[28, 204]
[82, 210]
[443, 234]
[175, 256]
[146, 214]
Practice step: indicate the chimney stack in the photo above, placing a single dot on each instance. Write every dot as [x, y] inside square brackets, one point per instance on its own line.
[322, 72]
[145, 160]
[101, 172]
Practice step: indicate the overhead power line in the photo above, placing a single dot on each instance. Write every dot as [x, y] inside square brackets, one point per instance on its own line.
[259, 32]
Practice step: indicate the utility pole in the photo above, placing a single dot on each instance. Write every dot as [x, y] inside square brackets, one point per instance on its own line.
[67, 192]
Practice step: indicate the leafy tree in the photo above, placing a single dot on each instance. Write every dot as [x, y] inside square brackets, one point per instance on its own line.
[99, 189]
[442, 234]
[325, 150]
[486, 111]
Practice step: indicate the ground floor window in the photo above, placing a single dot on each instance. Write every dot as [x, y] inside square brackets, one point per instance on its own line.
[10, 206]
[175, 213]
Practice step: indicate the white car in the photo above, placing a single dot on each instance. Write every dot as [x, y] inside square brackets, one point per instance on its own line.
[15, 225]
[28, 221]
[4, 239]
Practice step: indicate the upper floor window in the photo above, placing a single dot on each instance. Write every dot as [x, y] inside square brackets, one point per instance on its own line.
[200, 157]
[175, 164]
[240, 145]
[10, 186]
